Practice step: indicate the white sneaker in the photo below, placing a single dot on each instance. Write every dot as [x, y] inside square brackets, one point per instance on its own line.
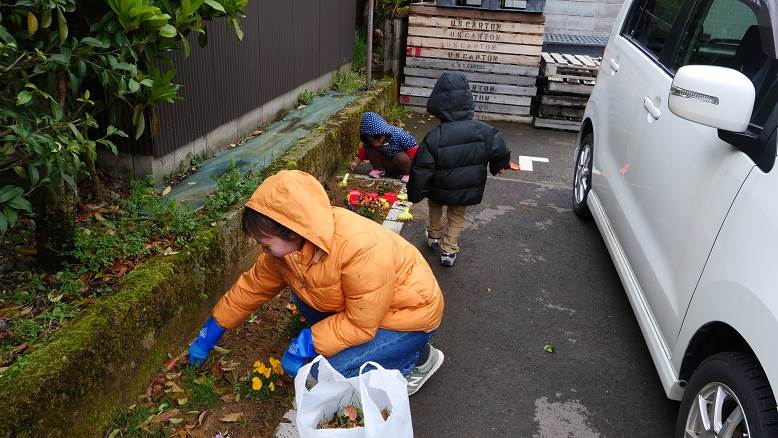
[447, 259]
[423, 372]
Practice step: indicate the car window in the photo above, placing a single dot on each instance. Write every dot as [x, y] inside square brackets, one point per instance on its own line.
[650, 23]
[726, 33]
[723, 33]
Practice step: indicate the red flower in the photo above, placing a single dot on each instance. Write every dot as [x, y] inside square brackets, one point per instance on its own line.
[390, 197]
[354, 197]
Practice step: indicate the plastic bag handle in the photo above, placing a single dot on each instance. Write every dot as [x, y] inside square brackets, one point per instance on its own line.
[308, 368]
[375, 364]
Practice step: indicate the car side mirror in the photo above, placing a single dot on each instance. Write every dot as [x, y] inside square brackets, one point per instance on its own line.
[718, 97]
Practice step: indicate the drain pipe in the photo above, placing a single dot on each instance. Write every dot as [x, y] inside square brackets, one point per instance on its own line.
[369, 56]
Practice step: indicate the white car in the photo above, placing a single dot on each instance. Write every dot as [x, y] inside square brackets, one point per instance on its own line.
[675, 163]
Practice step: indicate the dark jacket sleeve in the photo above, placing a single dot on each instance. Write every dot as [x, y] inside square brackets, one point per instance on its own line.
[499, 155]
[422, 172]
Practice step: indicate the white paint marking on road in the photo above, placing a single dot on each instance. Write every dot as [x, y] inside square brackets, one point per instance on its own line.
[525, 162]
[563, 419]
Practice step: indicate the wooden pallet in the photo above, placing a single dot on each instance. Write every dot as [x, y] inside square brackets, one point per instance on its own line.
[481, 115]
[475, 87]
[566, 85]
[572, 66]
[474, 35]
[471, 66]
[499, 53]
[564, 112]
[562, 100]
[477, 97]
[484, 107]
[476, 15]
[564, 125]
[435, 73]
[472, 55]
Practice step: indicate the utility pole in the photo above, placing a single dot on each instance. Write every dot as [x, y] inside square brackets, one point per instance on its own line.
[369, 60]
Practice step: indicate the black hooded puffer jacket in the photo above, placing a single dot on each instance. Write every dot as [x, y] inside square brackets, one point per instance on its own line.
[450, 165]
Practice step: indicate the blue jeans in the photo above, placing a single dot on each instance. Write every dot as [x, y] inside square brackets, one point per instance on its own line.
[391, 349]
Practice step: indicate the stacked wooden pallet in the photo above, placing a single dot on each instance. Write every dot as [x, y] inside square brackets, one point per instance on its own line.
[498, 51]
[567, 81]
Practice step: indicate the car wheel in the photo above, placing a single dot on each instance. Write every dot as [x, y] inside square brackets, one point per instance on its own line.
[582, 178]
[728, 396]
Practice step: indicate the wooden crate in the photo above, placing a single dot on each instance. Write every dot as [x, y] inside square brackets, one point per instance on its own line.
[570, 66]
[567, 81]
[499, 52]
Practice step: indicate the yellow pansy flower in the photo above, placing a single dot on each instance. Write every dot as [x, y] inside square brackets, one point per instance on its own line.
[266, 373]
[272, 387]
[276, 364]
[256, 383]
[260, 367]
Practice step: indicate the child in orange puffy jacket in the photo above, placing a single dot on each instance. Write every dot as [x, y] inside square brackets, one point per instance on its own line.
[368, 294]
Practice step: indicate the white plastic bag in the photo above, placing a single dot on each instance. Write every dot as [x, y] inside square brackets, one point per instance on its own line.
[385, 389]
[372, 391]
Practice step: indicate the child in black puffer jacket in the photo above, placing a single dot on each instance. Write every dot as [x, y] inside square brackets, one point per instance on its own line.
[450, 166]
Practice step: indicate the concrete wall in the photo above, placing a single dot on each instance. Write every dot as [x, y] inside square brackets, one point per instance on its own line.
[581, 17]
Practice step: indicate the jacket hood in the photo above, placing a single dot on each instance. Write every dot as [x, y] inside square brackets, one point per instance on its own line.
[375, 126]
[451, 99]
[297, 201]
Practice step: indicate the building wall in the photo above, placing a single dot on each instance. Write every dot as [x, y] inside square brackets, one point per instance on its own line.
[581, 17]
[230, 87]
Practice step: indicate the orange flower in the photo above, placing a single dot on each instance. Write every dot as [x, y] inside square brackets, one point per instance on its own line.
[256, 383]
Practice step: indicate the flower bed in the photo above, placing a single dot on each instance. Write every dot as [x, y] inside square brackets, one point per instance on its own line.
[369, 198]
[239, 391]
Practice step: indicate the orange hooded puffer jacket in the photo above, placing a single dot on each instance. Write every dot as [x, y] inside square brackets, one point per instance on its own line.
[367, 275]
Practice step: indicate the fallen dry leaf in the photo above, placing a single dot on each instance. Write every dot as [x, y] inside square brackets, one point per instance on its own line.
[167, 190]
[231, 418]
[201, 417]
[350, 411]
[172, 387]
[167, 415]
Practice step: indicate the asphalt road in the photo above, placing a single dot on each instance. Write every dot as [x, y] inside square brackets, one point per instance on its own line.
[529, 273]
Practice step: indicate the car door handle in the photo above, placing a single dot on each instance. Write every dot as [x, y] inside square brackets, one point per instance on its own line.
[651, 107]
[614, 65]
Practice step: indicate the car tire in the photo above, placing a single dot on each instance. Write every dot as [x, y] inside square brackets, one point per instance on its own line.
[725, 383]
[582, 177]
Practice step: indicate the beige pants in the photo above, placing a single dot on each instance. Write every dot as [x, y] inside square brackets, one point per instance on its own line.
[455, 215]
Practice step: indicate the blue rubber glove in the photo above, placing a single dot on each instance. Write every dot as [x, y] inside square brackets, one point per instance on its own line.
[206, 340]
[300, 352]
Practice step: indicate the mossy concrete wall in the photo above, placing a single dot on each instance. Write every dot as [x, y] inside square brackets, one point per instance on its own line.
[75, 384]
[326, 147]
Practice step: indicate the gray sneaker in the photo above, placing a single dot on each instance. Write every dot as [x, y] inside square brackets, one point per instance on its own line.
[432, 242]
[448, 259]
[423, 372]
